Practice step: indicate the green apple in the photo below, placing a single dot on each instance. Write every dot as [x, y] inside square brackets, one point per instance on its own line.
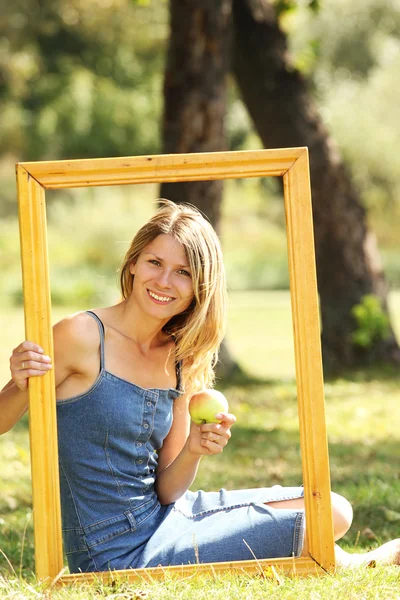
[205, 405]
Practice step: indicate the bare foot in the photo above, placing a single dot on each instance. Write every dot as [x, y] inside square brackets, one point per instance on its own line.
[387, 554]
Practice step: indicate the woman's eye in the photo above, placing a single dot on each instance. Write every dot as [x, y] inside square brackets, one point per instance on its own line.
[153, 261]
[183, 272]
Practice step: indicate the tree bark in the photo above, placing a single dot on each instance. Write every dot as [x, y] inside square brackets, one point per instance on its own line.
[195, 90]
[284, 114]
[195, 94]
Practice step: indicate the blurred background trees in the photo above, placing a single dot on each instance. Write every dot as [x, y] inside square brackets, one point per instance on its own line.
[84, 78]
[285, 114]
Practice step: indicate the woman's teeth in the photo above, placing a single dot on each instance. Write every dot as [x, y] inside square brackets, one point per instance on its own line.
[160, 298]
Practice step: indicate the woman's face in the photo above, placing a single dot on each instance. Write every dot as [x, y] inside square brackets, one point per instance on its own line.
[162, 284]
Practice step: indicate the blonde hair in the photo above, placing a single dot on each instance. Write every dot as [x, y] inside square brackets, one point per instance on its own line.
[200, 329]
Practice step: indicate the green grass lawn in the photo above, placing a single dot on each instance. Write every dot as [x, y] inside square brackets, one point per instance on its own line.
[363, 416]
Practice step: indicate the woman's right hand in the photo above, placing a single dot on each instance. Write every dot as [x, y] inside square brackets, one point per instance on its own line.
[28, 360]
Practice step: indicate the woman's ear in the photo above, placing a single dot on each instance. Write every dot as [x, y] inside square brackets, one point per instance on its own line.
[132, 268]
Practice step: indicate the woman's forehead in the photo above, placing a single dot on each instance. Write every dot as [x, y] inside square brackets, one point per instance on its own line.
[166, 245]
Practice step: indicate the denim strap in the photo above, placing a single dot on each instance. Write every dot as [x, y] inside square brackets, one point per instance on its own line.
[102, 334]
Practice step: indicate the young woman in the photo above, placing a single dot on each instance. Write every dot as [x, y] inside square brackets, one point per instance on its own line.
[127, 450]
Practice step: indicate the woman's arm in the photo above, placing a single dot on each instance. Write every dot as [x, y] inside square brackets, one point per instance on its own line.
[175, 476]
[71, 344]
[13, 405]
[183, 448]
[27, 360]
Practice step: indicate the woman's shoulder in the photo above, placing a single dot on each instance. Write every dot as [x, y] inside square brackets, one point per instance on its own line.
[79, 330]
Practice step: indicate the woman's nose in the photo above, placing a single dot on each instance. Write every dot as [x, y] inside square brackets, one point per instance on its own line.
[164, 278]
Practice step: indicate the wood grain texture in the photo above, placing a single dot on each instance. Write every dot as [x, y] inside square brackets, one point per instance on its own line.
[271, 569]
[163, 167]
[42, 405]
[308, 359]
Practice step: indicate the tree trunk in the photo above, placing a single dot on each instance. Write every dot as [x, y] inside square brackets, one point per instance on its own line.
[195, 91]
[284, 114]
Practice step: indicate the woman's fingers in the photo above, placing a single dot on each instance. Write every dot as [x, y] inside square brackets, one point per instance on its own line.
[26, 346]
[29, 355]
[221, 429]
[215, 436]
[227, 419]
[32, 367]
[220, 437]
[212, 447]
[28, 360]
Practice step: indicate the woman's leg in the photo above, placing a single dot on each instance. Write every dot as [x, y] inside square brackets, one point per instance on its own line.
[387, 554]
[342, 512]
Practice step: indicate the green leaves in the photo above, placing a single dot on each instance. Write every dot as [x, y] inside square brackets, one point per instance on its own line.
[284, 6]
[372, 322]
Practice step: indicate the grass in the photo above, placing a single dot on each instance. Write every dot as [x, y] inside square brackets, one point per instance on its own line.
[362, 417]
[373, 584]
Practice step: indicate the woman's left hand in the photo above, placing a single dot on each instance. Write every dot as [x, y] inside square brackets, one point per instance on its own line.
[211, 438]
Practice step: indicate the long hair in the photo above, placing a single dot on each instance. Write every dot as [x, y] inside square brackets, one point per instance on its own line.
[200, 329]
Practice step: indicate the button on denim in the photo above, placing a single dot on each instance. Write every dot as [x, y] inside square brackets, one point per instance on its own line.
[111, 516]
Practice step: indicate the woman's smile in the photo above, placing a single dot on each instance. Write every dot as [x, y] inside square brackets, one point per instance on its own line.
[160, 299]
[163, 274]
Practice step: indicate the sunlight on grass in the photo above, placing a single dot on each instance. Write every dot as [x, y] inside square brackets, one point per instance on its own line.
[260, 333]
[367, 584]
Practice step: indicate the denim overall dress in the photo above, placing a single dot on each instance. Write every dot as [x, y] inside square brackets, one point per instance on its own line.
[111, 516]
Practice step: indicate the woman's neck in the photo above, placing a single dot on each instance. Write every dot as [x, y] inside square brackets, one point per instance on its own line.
[146, 332]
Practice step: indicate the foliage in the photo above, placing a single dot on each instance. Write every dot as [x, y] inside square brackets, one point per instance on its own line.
[372, 322]
[80, 79]
[282, 7]
[84, 78]
[351, 53]
[351, 36]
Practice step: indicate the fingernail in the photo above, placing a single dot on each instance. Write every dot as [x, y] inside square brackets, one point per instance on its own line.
[219, 416]
[40, 350]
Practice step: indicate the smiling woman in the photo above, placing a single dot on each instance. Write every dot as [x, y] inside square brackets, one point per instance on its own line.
[128, 451]
[176, 260]
[162, 276]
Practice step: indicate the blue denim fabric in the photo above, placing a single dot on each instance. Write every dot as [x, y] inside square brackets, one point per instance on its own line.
[108, 440]
[226, 526]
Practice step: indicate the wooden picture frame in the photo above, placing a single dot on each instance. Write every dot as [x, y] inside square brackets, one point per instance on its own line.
[33, 179]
